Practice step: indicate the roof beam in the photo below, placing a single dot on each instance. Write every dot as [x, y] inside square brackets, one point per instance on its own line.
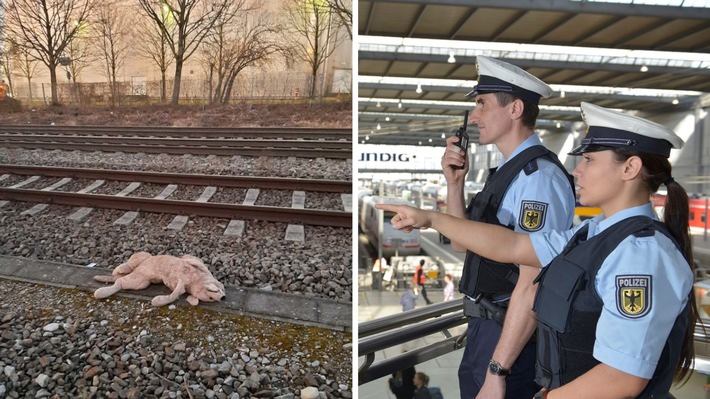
[416, 20]
[576, 7]
[529, 63]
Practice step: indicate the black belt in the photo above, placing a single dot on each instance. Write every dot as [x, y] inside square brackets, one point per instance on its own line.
[483, 308]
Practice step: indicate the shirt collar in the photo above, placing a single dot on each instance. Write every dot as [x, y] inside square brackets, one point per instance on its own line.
[529, 142]
[600, 223]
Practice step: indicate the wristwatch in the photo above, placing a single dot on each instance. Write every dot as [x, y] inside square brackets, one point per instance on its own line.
[496, 369]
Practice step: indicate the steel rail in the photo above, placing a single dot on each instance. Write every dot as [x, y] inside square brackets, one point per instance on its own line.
[330, 186]
[181, 150]
[313, 217]
[168, 131]
[169, 141]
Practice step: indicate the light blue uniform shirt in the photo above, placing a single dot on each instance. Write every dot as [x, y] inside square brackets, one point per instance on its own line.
[547, 188]
[632, 345]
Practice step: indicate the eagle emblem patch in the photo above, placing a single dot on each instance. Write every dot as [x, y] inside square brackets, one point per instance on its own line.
[633, 295]
[532, 215]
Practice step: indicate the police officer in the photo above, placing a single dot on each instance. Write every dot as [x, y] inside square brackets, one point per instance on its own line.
[614, 306]
[529, 191]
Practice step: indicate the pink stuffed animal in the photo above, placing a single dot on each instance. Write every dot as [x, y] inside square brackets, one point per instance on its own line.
[185, 274]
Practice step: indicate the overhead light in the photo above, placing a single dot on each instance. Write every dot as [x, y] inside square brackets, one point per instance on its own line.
[387, 119]
[644, 68]
[420, 143]
[443, 135]
[367, 137]
[399, 104]
[559, 125]
[430, 140]
[378, 104]
[379, 127]
[451, 59]
[562, 94]
[419, 88]
[675, 101]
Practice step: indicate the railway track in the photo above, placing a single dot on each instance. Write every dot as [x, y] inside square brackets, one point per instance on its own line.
[226, 142]
[190, 132]
[296, 214]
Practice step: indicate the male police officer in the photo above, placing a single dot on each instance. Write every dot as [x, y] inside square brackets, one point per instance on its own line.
[529, 191]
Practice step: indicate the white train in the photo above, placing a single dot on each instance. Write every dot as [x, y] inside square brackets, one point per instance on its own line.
[377, 225]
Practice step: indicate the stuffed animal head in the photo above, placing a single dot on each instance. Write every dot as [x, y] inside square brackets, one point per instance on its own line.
[211, 291]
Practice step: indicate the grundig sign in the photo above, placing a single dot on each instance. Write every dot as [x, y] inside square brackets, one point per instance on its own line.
[383, 157]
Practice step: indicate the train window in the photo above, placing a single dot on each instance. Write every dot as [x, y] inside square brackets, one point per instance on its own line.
[702, 218]
[691, 215]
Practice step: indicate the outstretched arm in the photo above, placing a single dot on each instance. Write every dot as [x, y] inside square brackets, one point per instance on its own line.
[490, 241]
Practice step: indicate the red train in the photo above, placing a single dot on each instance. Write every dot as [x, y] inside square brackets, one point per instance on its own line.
[698, 208]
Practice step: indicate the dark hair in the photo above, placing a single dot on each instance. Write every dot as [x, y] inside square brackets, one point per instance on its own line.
[530, 109]
[422, 262]
[423, 377]
[657, 170]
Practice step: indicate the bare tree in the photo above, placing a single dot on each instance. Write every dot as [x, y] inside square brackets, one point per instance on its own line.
[344, 10]
[154, 46]
[113, 29]
[185, 23]
[45, 28]
[79, 57]
[28, 68]
[310, 34]
[242, 38]
[16, 61]
[7, 58]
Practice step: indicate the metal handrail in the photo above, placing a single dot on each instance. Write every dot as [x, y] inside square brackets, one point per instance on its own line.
[379, 325]
[382, 333]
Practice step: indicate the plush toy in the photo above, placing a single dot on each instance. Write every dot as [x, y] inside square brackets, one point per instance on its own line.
[185, 274]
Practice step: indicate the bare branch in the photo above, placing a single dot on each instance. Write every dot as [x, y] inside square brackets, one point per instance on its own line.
[184, 24]
[46, 28]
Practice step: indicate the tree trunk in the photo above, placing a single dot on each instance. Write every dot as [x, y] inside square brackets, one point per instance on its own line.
[53, 82]
[29, 85]
[176, 83]
[314, 76]
[163, 87]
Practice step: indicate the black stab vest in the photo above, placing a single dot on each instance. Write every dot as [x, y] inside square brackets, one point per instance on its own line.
[568, 309]
[481, 275]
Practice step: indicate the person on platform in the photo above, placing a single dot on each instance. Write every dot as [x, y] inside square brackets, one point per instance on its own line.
[529, 191]
[448, 287]
[421, 382]
[409, 299]
[420, 280]
[615, 309]
[402, 383]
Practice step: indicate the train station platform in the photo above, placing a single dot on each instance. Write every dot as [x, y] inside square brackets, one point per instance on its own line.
[443, 371]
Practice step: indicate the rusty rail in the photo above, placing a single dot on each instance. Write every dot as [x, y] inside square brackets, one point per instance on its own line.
[330, 186]
[248, 212]
[165, 131]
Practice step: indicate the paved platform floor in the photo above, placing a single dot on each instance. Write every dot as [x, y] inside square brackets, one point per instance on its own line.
[442, 371]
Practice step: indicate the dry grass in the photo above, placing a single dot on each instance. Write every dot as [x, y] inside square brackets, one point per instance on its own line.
[335, 114]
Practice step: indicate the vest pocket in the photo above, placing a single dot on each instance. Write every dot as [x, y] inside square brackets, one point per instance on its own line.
[562, 279]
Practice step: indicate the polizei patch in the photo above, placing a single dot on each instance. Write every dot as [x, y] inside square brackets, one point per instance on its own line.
[633, 295]
[532, 215]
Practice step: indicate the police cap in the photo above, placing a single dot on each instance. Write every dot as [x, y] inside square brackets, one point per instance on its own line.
[607, 128]
[495, 76]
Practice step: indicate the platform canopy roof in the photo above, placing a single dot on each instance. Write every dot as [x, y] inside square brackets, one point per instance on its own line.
[416, 59]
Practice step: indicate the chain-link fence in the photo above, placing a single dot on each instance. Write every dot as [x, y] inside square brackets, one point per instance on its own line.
[138, 90]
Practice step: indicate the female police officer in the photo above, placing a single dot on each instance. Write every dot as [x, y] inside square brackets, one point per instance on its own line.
[614, 308]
